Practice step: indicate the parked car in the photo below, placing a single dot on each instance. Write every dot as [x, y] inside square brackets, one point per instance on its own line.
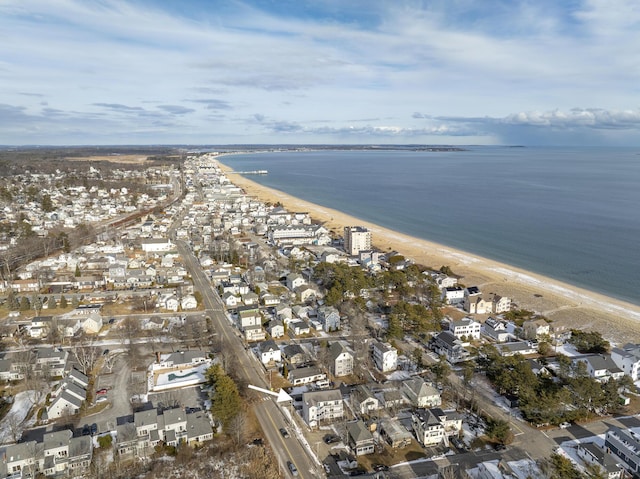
[101, 399]
[102, 391]
[284, 432]
[564, 425]
[292, 468]
[330, 439]
[86, 430]
[380, 467]
[94, 429]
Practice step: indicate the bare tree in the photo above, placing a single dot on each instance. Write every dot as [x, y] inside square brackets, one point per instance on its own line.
[238, 429]
[14, 424]
[110, 362]
[87, 355]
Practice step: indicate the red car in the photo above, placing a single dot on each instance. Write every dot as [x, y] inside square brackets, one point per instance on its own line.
[101, 391]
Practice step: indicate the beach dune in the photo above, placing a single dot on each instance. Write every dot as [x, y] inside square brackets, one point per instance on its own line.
[561, 303]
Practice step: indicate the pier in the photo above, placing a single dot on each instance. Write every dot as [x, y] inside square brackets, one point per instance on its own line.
[253, 172]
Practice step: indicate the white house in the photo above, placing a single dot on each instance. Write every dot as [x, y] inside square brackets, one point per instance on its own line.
[188, 302]
[92, 324]
[269, 352]
[421, 394]
[385, 356]
[467, 328]
[627, 358]
[322, 407]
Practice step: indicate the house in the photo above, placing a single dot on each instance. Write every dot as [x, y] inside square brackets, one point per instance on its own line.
[428, 428]
[627, 358]
[322, 407]
[92, 324]
[500, 304]
[305, 375]
[360, 439]
[393, 398]
[156, 245]
[40, 326]
[434, 426]
[305, 293]
[453, 295]
[254, 333]
[420, 394]
[294, 280]
[188, 301]
[476, 304]
[625, 445]
[250, 298]
[181, 359]
[249, 316]
[465, 329]
[51, 362]
[298, 328]
[10, 371]
[363, 401]
[66, 403]
[394, 432]
[269, 299]
[385, 356]
[523, 348]
[591, 453]
[269, 352]
[496, 330]
[601, 367]
[535, 328]
[294, 354]
[230, 300]
[276, 328]
[448, 345]
[341, 359]
[329, 317]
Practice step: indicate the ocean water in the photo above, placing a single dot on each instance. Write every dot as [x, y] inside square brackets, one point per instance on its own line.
[572, 214]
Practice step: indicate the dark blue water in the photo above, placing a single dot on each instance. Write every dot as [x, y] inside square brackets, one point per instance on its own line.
[568, 213]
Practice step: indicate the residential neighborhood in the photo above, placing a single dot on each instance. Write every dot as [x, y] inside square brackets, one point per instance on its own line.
[116, 345]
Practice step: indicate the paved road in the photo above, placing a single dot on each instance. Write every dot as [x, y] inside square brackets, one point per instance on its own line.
[269, 414]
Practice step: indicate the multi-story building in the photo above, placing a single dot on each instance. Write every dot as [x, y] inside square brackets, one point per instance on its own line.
[627, 358]
[341, 358]
[385, 356]
[467, 328]
[625, 444]
[322, 406]
[356, 239]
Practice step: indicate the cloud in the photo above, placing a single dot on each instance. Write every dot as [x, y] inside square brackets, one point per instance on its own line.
[336, 71]
[119, 107]
[212, 103]
[176, 109]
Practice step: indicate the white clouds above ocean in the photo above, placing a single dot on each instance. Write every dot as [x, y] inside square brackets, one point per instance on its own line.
[446, 72]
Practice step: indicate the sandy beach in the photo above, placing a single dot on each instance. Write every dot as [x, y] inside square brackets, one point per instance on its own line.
[561, 303]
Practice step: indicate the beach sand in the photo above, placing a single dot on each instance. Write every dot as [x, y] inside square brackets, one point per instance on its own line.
[561, 303]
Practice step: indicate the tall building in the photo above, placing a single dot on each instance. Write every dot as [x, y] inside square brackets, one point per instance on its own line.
[356, 239]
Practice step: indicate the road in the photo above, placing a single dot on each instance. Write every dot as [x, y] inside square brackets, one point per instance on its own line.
[269, 414]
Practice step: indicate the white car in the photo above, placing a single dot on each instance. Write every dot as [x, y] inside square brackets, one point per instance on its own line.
[564, 425]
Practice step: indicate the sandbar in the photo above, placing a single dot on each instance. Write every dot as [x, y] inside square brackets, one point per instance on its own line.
[561, 303]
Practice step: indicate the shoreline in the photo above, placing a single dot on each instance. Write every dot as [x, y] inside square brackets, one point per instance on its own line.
[564, 304]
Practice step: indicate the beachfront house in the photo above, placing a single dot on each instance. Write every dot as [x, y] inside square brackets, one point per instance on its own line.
[601, 367]
[627, 358]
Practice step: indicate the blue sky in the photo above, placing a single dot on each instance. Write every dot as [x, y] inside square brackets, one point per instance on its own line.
[530, 72]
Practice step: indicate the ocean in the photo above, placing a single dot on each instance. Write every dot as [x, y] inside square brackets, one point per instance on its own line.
[572, 214]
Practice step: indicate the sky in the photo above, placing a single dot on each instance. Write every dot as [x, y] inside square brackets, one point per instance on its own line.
[455, 72]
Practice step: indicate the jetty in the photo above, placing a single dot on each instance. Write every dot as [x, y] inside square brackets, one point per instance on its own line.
[253, 172]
